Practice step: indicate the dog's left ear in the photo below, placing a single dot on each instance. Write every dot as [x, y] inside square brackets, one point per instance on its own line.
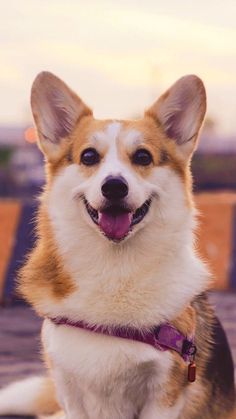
[181, 111]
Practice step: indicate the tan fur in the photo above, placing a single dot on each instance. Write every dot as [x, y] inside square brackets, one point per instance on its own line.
[153, 139]
[161, 148]
[47, 399]
[44, 273]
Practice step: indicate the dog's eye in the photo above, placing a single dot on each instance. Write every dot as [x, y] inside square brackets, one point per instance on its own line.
[142, 157]
[89, 157]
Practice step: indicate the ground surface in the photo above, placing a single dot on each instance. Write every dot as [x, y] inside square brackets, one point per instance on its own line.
[20, 344]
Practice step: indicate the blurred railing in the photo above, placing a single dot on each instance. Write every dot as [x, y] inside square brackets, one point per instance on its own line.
[216, 236]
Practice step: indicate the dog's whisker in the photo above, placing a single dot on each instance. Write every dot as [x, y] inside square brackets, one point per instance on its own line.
[77, 196]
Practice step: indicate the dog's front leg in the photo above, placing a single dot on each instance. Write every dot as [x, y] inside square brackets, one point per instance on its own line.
[69, 395]
[58, 415]
[154, 410]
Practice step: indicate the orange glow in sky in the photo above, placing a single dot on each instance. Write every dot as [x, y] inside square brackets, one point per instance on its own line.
[30, 135]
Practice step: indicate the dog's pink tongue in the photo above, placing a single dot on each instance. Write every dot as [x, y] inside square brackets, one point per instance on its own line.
[117, 226]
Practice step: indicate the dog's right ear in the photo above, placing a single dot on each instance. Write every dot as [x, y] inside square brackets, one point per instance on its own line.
[56, 110]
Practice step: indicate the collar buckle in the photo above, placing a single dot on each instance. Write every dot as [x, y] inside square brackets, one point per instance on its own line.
[189, 349]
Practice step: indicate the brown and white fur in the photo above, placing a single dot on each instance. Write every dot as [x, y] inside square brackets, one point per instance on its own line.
[151, 275]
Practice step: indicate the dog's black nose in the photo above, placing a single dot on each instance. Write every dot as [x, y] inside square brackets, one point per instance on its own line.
[115, 187]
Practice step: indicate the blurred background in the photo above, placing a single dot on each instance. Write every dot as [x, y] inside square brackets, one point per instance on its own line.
[118, 56]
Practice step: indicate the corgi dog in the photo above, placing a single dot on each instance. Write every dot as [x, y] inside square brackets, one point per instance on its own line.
[128, 332]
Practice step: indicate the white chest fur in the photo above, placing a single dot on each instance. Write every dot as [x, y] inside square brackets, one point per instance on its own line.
[101, 377]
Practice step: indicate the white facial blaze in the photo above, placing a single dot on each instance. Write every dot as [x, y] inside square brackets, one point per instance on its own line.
[113, 138]
[112, 165]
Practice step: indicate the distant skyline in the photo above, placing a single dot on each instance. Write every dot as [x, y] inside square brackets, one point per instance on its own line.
[118, 55]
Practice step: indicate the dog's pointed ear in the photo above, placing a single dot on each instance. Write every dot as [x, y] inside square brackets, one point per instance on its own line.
[181, 111]
[56, 110]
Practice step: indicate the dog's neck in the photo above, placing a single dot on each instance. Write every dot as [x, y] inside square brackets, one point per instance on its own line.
[89, 254]
[145, 280]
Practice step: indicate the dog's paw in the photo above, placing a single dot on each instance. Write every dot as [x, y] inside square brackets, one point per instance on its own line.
[58, 415]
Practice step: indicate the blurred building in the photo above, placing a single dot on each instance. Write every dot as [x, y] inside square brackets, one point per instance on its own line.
[214, 163]
[21, 163]
[212, 143]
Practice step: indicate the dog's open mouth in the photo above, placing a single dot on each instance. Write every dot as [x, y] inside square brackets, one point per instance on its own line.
[116, 220]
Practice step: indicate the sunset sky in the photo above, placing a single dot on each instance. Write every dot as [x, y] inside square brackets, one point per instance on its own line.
[118, 55]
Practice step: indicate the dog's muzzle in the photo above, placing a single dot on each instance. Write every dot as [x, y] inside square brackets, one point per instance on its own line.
[116, 219]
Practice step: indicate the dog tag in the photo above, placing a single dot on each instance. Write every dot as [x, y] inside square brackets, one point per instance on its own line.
[192, 372]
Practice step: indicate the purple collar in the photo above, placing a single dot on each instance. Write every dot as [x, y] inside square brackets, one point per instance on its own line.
[161, 337]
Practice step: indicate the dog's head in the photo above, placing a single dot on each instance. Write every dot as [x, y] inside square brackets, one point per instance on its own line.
[117, 175]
